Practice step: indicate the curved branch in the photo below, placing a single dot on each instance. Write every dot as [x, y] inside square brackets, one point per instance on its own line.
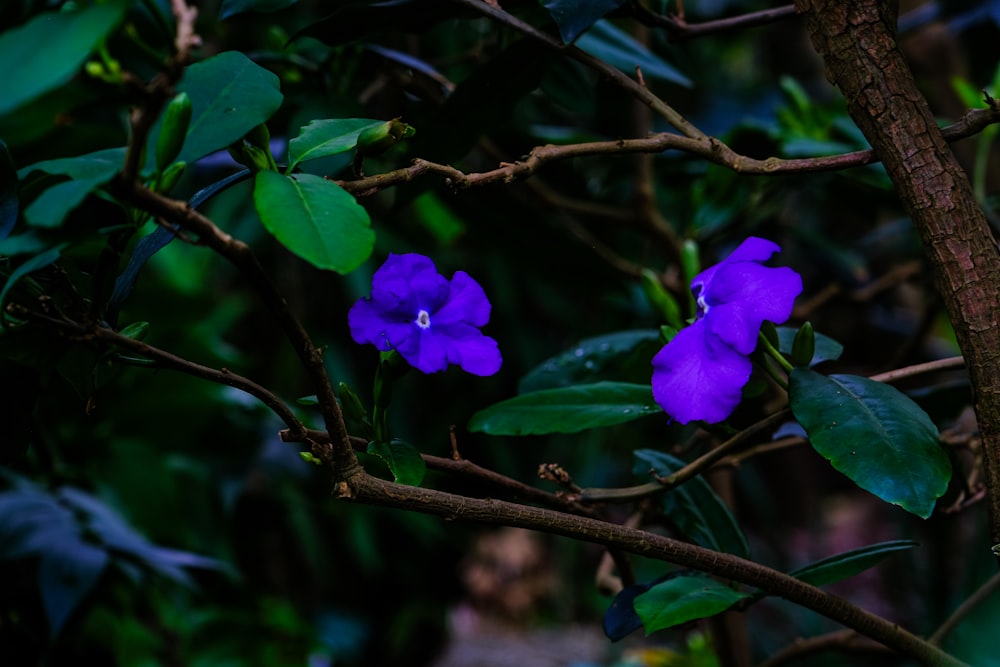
[373, 491]
[677, 29]
[341, 457]
[708, 148]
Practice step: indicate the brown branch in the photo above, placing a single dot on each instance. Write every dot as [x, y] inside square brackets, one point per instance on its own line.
[677, 29]
[707, 460]
[373, 491]
[858, 44]
[604, 69]
[842, 640]
[708, 148]
[169, 361]
[964, 609]
[341, 458]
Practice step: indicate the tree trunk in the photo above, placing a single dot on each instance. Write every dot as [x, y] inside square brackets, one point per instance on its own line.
[856, 39]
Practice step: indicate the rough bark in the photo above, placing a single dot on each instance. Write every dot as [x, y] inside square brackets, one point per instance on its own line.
[856, 39]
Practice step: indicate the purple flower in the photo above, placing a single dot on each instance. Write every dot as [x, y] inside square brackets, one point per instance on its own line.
[700, 373]
[428, 319]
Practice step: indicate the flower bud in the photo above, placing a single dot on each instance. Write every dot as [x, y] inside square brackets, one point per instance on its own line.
[173, 132]
[804, 346]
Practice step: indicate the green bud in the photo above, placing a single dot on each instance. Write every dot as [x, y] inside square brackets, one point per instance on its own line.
[94, 69]
[376, 140]
[770, 332]
[354, 412]
[252, 157]
[804, 346]
[309, 457]
[173, 132]
[660, 298]
[691, 262]
[168, 179]
[136, 330]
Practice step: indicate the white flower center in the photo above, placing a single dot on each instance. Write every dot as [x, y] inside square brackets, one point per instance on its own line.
[423, 319]
[702, 305]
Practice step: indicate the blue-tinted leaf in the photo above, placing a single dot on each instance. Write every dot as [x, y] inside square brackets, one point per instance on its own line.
[67, 572]
[567, 410]
[49, 49]
[8, 192]
[827, 349]
[593, 359]
[233, 7]
[31, 522]
[684, 598]
[150, 244]
[404, 460]
[842, 566]
[875, 435]
[693, 507]
[574, 16]
[620, 619]
[619, 49]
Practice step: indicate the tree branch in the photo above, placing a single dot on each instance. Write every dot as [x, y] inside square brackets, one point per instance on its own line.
[708, 148]
[341, 457]
[857, 42]
[373, 491]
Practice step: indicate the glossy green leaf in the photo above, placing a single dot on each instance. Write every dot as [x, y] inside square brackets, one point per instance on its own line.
[403, 459]
[574, 16]
[693, 507]
[233, 7]
[49, 50]
[102, 164]
[845, 565]
[314, 218]
[825, 348]
[875, 435]
[567, 410]
[620, 49]
[592, 359]
[230, 95]
[322, 138]
[682, 599]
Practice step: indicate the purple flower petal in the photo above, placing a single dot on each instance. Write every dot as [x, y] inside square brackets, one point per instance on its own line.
[696, 376]
[743, 295]
[467, 303]
[753, 249]
[429, 320]
[471, 350]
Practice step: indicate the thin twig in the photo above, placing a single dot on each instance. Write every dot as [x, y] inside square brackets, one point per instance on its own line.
[964, 609]
[342, 460]
[841, 640]
[677, 29]
[708, 148]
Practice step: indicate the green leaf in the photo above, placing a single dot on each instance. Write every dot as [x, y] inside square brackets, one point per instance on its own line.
[9, 206]
[693, 507]
[48, 50]
[594, 359]
[323, 138]
[875, 435]
[620, 49]
[39, 261]
[233, 7]
[230, 95]
[826, 348]
[52, 206]
[314, 218]
[102, 164]
[682, 599]
[847, 564]
[574, 16]
[403, 459]
[567, 410]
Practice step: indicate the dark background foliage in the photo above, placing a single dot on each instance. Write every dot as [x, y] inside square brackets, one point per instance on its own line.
[197, 468]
